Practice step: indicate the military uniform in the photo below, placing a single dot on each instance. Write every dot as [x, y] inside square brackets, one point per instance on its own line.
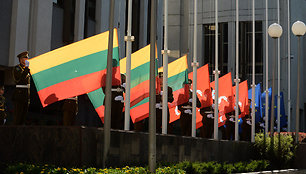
[159, 111]
[208, 122]
[21, 96]
[2, 110]
[117, 120]
[70, 110]
[186, 115]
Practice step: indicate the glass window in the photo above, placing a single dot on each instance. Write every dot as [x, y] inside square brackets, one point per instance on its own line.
[209, 47]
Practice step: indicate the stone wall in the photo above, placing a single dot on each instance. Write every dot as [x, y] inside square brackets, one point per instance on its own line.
[79, 146]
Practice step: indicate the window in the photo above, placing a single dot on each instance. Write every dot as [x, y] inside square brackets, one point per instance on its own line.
[209, 47]
[245, 51]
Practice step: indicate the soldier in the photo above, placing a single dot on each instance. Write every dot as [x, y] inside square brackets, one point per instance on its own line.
[117, 105]
[21, 96]
[2, 106]
[246, 125]
[159, 106]
[70, 110]
[186, 112]
[208, 121]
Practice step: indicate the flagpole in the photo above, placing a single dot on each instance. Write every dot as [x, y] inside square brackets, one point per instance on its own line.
[267, 74]
[165, 53]
[253, 72]
[237, 80]
[289, 71]
[129, 39]
[278, 72]
[108, 92]
[152, 99]
[195, 64]
[216, 72]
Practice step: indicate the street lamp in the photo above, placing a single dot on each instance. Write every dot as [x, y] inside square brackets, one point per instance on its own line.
[275, 31]
[298, 29]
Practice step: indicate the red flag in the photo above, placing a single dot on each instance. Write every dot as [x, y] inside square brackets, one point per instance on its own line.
[203, 86]
[243, 98]
[175, 114]
[226, 97]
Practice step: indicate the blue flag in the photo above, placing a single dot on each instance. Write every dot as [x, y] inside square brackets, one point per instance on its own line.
[263, 108]
[258, 102]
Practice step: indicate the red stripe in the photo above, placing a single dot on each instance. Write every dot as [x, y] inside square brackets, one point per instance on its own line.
[142, 91]
[100, 111]
[77, 86]
[140, 112]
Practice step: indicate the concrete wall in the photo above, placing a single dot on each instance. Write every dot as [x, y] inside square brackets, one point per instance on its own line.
[76, 146]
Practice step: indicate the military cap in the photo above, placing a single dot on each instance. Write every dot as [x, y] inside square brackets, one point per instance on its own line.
[23, 54]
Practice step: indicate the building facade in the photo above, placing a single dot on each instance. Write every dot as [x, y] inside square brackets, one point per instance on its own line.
[41, 26]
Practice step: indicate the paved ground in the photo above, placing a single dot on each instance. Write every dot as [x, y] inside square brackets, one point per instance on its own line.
[291, 171]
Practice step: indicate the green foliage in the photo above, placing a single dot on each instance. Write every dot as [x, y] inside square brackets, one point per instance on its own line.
[180, 168]
[279, 153]
[216, 168]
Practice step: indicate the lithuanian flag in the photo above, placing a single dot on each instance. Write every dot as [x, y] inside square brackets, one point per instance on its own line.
[74, 69]
[140, 71]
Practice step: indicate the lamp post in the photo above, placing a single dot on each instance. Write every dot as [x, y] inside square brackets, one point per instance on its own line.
[298, 29]
[275, 31]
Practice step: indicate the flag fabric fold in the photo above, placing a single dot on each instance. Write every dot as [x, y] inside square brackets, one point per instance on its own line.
[74, 69]
[243, 98]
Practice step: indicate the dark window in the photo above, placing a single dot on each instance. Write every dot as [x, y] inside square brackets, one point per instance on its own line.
[59, 3]
[246, 53]
[135, 23]
[209, 47]
[68, 22]
[90, 15]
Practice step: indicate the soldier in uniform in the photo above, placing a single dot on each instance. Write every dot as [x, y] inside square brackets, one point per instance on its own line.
[159, 106]
[208, 121]
[186, 112]
[2, 106]
[246, 125]
[70, 110]
[21, 96]
[117, 120]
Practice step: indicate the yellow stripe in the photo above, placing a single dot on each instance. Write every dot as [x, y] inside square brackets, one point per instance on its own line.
[176, 66]
[138, 58]
[71, 52]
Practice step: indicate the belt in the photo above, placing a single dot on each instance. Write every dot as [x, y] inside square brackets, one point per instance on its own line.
[23, 86]
[72, 98]
[1, 109]
[117, 89]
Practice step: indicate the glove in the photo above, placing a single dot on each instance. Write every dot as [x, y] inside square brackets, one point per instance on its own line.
[187, 111]
[231, 119]
[248, 122]
[119, 98]
[161, 92]
[190, 100]
[123, 85]
[157, 105]
[262, 125]
[210, 116]
[27, 63]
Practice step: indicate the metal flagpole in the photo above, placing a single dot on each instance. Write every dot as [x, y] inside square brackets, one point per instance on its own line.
[108, 92]
[216, 72]
[194, 65]
[165, 53]
[237, 80]
[129, 38]
[289, 71]
[278, 72]
[253, 72]
[267, 74]
[152, 100]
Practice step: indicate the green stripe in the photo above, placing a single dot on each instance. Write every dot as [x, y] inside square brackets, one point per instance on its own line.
[75, 68]
[96, 97]
[176, 82]
[141, 73]
[146, 100]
